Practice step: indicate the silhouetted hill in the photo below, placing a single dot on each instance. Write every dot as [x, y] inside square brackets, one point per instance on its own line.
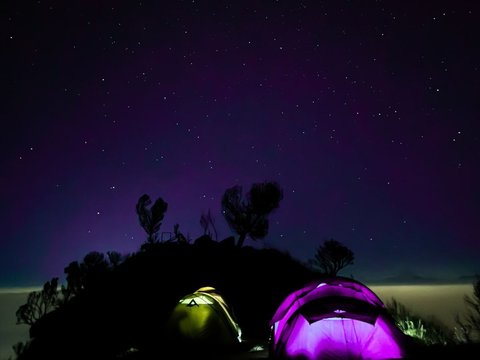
[126, 308]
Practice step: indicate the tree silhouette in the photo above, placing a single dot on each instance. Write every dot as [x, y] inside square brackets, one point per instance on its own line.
[75, 280]
[207, 223]
[151, 218]
[19, 349]
[178, 235]
[39, 303]
[114, 258]
[90, 272]
[470, 323]
[248, 216]
[332, 256]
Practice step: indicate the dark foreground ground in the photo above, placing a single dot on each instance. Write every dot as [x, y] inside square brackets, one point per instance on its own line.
[455, 352]
[260, 351]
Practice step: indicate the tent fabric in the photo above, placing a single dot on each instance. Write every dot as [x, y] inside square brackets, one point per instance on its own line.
[203, 318]
[336, 318]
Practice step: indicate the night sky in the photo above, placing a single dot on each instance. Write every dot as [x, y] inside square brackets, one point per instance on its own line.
[365, 112]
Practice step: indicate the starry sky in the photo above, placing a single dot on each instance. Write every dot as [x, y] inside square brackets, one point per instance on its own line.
[365, 112]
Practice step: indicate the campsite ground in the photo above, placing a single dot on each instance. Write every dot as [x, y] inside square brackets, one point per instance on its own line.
[250, 355]
[258, 350]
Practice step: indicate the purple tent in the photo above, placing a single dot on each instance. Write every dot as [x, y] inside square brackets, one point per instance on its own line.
[337, 318]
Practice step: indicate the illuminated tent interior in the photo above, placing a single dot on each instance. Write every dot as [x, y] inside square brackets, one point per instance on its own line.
[336, 318]
[203, 319]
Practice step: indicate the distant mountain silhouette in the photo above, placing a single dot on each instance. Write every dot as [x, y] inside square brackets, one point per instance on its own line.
[466, 279]
[408, 278]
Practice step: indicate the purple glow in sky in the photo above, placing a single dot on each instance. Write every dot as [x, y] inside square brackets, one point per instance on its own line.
[366, 114]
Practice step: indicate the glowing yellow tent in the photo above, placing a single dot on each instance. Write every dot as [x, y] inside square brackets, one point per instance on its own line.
[204, 319]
